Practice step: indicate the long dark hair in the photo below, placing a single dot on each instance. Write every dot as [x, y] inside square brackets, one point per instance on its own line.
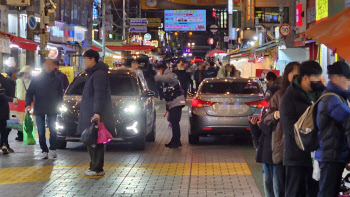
[289, 68]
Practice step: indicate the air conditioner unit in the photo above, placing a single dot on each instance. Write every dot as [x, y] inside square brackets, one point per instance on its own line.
[18, 2]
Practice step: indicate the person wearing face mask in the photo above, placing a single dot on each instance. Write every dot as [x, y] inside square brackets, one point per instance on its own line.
[301, 93]
[46, 92]
[272, 120]
[332, 117]
[96, 105]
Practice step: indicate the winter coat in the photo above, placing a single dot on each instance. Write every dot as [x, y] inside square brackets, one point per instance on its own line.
[10, 87]
[171, 79]
[277, 134]
[332, 118]
[293, 104]
[264, 151]
[46, 92]
[21, 88]
[96, 99]
[4, 105]
[184, 78]
[212, 72]
[64, 80]
[199, 76]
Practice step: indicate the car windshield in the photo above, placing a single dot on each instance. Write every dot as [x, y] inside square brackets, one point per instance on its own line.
[120, 85]
[231, 87]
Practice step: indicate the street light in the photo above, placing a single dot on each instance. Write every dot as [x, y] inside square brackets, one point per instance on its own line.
[190, 33]
[193, 43]
[176, 33]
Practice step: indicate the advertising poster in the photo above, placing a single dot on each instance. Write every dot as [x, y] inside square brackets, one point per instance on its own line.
[321, 9]
[109, 61]
[69, 71]
[261, 73]
[185, 20]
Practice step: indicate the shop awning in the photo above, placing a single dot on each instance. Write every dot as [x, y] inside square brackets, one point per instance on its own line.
[215, 51]
[21, 42]
[265, 46]
[66, 48]
[334, 33]
[131, 47]
[97, 47]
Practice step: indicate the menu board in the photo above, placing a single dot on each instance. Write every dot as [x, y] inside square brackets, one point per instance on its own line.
[185, 20]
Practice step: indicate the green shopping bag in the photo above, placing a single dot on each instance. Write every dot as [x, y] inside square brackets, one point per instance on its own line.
[28, 130]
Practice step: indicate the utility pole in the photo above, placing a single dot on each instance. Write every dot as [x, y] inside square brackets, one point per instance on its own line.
[30, 55]
[89, 26]
[42, 31]
[124, 20]
[103, 28]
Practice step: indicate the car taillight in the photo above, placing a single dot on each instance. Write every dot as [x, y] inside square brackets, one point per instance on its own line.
[258, 104]
[199, 103]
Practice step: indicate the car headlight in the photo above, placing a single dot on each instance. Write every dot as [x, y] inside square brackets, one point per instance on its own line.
[59, 127]
[63, 108]
[133, 127]
[130, 109]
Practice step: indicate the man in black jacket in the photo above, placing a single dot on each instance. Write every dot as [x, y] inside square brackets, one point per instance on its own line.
[48, 94]
[212, 72]
[303, 91]
[96, 105]
[332, 116]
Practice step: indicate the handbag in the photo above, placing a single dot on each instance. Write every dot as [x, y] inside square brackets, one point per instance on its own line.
[90, 134]
[104, 136]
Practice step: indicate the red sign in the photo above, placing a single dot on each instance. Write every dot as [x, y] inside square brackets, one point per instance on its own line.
[261, 73]
[211, 41]
[285, 30]
[299, 19]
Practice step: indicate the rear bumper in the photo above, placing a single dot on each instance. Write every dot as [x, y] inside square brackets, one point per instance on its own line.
[214, 125]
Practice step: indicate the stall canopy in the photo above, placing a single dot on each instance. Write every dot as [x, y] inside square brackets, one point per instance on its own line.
[215, 51]
[334, 33]
[262, 47]
[21, 42]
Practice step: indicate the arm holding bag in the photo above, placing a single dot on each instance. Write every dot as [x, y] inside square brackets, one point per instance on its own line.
[90, 134]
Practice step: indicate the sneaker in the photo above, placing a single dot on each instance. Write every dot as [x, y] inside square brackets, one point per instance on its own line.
[53, 153]
[168, 144]
[89, 172]
[175, 145]
[5, 151]
[44, 155]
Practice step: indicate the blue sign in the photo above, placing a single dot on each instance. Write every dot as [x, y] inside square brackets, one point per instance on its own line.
[32, 22]
[84, 44]
[185, 20]
[138, 29]
[138, 21]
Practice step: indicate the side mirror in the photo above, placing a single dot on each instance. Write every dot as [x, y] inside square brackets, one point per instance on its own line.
[148, 93]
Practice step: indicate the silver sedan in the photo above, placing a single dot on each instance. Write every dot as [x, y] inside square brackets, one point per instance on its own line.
[222, 105]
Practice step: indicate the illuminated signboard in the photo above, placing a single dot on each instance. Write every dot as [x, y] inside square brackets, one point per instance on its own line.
[321, 9]
[185, 20]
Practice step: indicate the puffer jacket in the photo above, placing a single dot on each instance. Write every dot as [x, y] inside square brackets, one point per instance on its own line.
[171, 79]
[277, 134]
[332, 119]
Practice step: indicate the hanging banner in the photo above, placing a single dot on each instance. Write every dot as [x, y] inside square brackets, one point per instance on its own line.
[182, 4]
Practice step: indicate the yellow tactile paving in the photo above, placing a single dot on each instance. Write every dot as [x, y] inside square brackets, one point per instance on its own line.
[45, 173]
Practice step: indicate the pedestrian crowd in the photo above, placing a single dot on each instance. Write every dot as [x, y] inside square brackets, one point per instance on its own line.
[288, 169]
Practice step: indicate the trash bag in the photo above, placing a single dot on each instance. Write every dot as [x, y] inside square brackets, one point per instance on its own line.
[28, 130]
[104, 136]
[89, 135]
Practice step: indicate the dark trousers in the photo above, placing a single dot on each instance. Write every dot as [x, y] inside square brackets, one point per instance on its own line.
[330, 180]
[97, 155]
[175, 118]
[299, 182]
[40, 121]
[268, 175]
[280, 180]
[4, 132]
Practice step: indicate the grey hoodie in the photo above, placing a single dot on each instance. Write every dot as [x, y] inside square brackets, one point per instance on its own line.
[171, 79]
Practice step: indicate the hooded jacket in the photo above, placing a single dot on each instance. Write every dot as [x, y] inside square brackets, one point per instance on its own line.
[4, 105]
[332, 118]
[171, 79]
[96, 99]
[293, 104]
[48, 94]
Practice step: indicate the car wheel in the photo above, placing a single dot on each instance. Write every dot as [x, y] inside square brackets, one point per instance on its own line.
[61, 143]
[151, 137]
[193, 139]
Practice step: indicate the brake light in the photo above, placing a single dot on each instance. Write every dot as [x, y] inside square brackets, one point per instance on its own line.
[258, 104]
[207, 128]
[199, 103]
